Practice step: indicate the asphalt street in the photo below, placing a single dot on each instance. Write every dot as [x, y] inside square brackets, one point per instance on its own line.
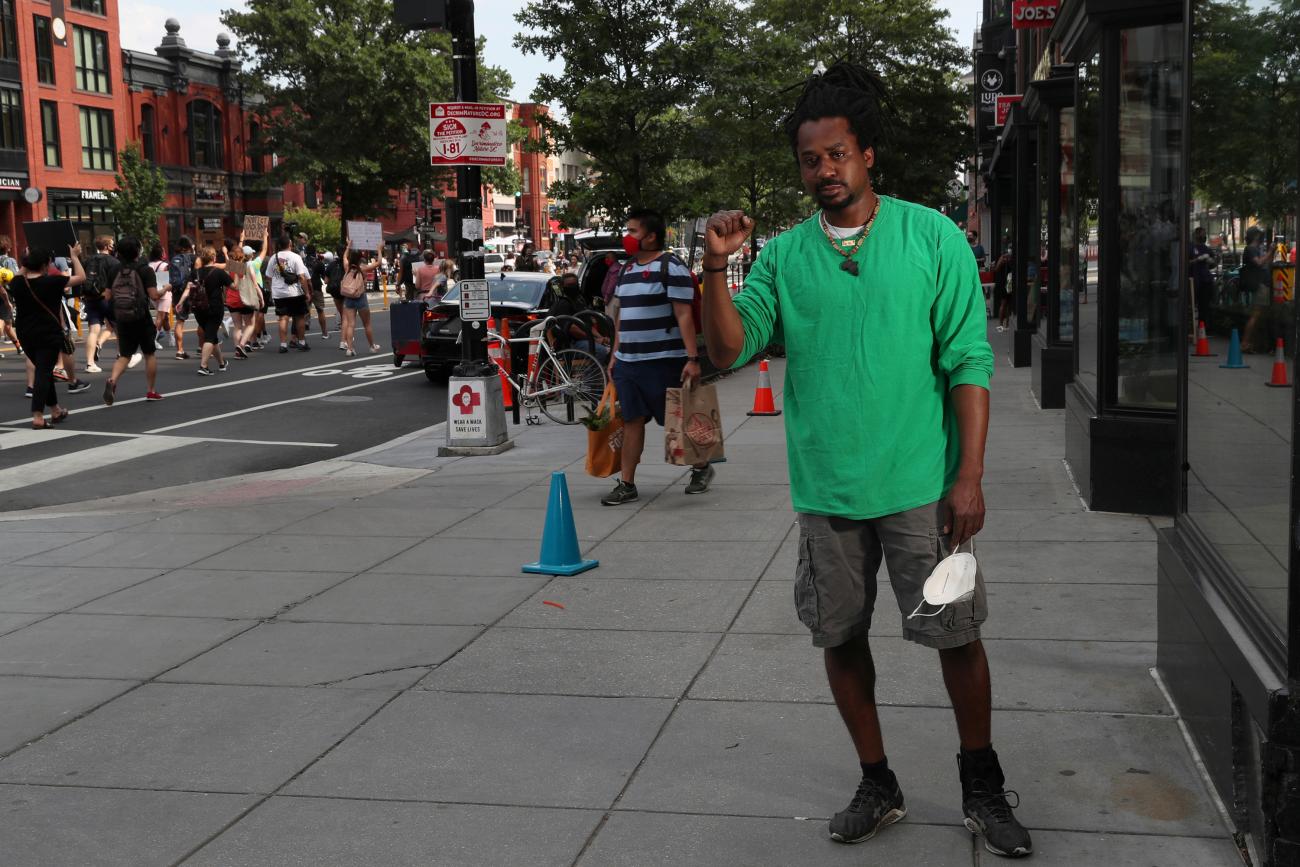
[268, 412]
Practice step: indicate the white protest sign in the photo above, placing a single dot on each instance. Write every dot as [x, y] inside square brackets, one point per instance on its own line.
[366, 236]
[467, 134]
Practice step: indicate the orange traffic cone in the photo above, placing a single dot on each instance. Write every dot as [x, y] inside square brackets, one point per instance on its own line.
[763, 403]
[1279, 379]
[494, 356]
[1202, 342]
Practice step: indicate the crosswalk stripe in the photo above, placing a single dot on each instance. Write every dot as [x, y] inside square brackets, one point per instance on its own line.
[95, 458]
[14, 439]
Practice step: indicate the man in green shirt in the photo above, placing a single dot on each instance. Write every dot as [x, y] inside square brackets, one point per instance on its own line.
[878, 304]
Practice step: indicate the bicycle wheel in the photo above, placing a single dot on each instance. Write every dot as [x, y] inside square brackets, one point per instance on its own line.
[579, 381]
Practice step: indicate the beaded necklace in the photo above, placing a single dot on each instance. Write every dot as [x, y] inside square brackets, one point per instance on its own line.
[848, 248]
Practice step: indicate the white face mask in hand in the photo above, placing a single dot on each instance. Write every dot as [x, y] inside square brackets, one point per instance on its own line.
[952, 581]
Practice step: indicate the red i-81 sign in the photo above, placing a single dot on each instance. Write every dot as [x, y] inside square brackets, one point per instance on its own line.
[1030, 14]
[467, 134]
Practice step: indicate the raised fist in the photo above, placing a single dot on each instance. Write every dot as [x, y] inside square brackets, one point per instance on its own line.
[726, 231]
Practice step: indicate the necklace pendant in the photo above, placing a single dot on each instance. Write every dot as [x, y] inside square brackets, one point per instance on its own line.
[850, 266]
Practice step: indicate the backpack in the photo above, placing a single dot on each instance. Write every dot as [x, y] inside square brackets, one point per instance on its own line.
[199, 293]
[697, 297]
[178, 271]
[130, 303]
[353, 284]
[96, 275]
[334, 276]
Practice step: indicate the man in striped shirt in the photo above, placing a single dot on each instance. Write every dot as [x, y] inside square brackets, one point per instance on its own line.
[654, 344]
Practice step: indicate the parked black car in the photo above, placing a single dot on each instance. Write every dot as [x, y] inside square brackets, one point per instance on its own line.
[517, 297]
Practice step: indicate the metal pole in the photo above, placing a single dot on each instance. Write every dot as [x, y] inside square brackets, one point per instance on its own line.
[469, 185]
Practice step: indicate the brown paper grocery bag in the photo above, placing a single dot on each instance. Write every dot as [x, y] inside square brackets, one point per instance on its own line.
[692, 426]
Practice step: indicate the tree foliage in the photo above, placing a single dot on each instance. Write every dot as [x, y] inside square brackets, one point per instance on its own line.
[346, 95]
[322, 226]
[137, 202]
[631, 68]
[1245, 78]
[679, 104]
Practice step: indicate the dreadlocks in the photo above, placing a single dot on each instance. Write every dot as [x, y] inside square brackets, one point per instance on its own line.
[847, 90]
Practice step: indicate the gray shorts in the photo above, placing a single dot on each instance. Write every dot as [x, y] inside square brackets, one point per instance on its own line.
[835, 582]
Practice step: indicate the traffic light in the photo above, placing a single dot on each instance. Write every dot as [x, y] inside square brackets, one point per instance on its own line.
[421, 14]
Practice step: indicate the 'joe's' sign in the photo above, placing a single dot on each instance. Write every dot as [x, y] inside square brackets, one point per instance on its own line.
[1028, 14]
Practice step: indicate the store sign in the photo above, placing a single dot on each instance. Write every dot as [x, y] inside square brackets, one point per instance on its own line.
[989, 83]
[1003, 107]
[209, 189]
[210, 224]
[7, 183]
[1033, 14]
[467, 134]
[94, 196]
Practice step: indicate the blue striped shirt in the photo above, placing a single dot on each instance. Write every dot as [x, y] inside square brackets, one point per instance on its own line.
[647, 324]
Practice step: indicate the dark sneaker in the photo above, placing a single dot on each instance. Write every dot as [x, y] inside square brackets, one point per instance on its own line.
[224, 366]
[284, 347]
[700, 480]
[304, 347]
[110, 392]
[988, 812]
[874, 806]
[240, 352]
[622, 493]
[203, 371]
[78, 386]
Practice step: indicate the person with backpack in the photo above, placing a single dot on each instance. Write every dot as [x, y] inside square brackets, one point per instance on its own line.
[158, 265]
[242, 298]
[207, 297]
[132, 285]
[333, 287]
[98, 309]
[654, 343]
[355, 303]
[316, 277]
[178, 277]
[290, 291]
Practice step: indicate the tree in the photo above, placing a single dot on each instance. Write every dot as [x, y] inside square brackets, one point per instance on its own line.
[911, 48]
[630, 68]
[322, 226]
[346, 94]
[137, 203]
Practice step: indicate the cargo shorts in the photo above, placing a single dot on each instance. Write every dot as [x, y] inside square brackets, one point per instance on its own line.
[835, 581]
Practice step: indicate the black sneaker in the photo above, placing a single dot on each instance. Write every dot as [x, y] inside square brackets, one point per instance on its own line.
[110, 392]
[77, 386]
[203, 371]
[283, 348]
[304, 347]
[240, 352]
[700, 480]
[987, 810]
[225, 364]
[622, 493]
[27, 394]
[875, 805]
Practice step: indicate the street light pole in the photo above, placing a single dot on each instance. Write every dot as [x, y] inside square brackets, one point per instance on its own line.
[469, 185]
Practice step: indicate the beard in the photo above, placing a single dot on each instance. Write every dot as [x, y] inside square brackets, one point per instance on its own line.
[835, 201]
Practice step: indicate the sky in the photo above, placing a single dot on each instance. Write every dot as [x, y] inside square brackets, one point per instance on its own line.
[141, 24]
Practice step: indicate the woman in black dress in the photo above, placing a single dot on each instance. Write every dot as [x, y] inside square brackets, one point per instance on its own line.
[38, 297]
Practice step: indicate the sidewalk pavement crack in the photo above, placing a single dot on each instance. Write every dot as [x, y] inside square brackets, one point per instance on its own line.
[429, 665]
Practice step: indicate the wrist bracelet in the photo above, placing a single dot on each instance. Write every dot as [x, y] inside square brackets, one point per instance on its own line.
[707, 270]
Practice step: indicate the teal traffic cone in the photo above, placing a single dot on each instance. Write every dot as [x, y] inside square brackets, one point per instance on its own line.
[560, 553]
[1234, 361]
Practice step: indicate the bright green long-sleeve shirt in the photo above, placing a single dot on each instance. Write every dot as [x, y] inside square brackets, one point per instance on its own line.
[870, 427]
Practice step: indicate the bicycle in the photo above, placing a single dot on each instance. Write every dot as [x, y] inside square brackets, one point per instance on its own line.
[562, 382]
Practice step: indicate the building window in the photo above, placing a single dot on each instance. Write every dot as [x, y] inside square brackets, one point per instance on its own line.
[98, 150]
[90, 56]
[505, 216]
[527, 174]
[256, 157]
[11, 120]
[95, 7]
[8, 31]
[50, 133]
[148, 133]
[44, 49]
[205, 134]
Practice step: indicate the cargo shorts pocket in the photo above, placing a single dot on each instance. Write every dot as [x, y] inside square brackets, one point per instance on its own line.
[806, 603]
[968, 613]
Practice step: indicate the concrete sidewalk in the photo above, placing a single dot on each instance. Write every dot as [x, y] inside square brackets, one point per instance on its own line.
[343, 665]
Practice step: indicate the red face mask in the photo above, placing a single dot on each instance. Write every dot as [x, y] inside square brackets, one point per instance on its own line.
[631, 245]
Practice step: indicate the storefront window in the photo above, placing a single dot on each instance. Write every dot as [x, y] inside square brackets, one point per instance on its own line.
[1067, 264]
[1088, 181]
[1038, 261]
[1147, 247]
[1245, 131]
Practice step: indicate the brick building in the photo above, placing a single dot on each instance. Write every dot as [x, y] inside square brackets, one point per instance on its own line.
[62, 112]
[70, 98]
[193, 120]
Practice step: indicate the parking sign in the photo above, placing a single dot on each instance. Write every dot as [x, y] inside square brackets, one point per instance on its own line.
[467, 134]
[475, 301]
